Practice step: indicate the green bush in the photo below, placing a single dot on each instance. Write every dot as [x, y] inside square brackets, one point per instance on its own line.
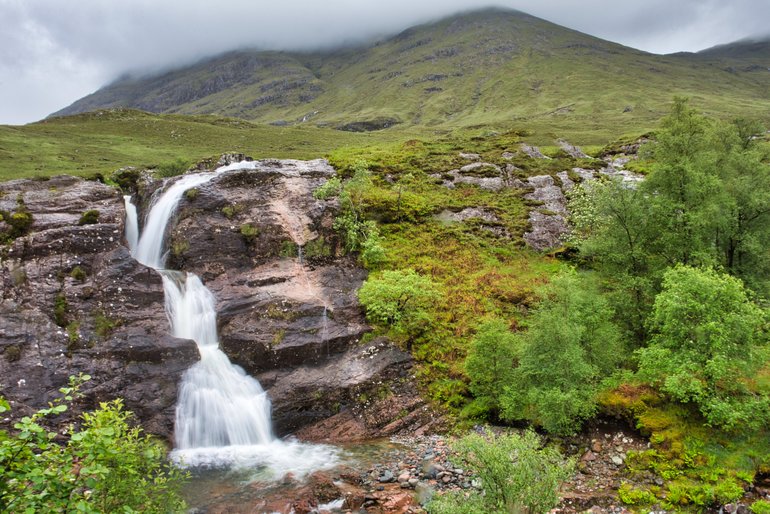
[60, 310]
[105, 465]
[172, 168]
[704, 346]
[516, 474]
[760, 507]
[570, 347]
[329, 189]
[78, 273]
[399, 300]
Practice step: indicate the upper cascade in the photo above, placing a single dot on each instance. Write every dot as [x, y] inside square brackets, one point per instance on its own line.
[222, 414]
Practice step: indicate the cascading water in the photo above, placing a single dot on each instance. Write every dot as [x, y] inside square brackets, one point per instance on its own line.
[222, 414]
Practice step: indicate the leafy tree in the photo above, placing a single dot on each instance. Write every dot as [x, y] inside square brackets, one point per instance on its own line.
[705, 341]
[489, 364]
[683, 185]
[400, 300]
[517, 475]
[570, 346]
[743, 233]
[105, 465]
[616, 227]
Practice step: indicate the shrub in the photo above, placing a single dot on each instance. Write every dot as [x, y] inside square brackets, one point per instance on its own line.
[60, 310]
[760, 507]
[399, 300]
[105, 465]
[192, 193]
[329, 189]
[78, 273]
[571, 345]
[489, 364]
[172, 168]
[516, 474]
[705, 336]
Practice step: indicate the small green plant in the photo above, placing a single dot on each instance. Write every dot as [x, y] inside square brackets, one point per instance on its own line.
[89, 217]
[104, 325]
[249, 232]
[288, 249]
[330, 189]
[78, 273]
[192, 193]
[760, 507]
[632, 496]
[179, 247]
[73, 335]
[230, 211]
[318, 248]
[516, 473]
[60, 310]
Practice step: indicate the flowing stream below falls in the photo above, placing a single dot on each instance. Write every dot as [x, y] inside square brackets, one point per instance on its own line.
[222, 414]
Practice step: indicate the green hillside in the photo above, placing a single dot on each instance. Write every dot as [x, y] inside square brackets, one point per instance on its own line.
[486, 67]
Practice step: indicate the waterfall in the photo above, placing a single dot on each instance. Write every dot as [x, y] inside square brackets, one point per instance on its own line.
[222, 414]
[132, 223]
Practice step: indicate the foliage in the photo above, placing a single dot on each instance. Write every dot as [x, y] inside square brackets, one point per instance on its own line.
[18, 222]
[705, 337]
[249, 232]
[78, 273]
[172, 168]
[517, 475]
[60, 310]
[760, 507]
[329, 189]
[105, 465]
[570, 346]
[90, 217]
[490, 363]
[192, 193]
[400, 300]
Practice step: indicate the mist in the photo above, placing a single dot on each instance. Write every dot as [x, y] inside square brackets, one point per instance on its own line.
[54, 52]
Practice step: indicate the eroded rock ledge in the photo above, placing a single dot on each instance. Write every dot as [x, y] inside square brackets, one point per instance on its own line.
[264, 246]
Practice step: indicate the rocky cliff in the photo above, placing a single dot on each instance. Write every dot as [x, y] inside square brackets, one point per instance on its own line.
[74, 300]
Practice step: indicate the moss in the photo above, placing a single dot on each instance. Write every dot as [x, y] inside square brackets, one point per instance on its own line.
[288, 249]
[230, 211]
[12, 353]
[249, 232]
[104, 325]
[179, 247]
[278, 336]
[90, 217]
[78, 274]
[18, 223]
[318, 249]
[18, 276]
[73, 335]
[60, 310]
[192, 193]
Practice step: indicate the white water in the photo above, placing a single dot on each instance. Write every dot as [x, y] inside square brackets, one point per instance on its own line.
[222, 414]
[132, 223]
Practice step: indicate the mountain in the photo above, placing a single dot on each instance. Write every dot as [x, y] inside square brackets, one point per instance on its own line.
[482, 67]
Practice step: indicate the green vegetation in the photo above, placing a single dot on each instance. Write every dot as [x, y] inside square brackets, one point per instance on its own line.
[89, 218]
[400, 300]
[516, 474]
[570, 347]
[78, 274]
[103, 465]
[249, 232]
[17, 223]
[172, 168]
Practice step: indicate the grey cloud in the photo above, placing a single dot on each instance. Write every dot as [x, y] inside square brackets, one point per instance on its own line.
[53, 52]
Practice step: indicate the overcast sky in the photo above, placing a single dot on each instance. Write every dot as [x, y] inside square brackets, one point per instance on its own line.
[53, 52]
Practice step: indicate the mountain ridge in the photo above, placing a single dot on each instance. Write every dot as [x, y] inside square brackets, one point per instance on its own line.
[485, 66]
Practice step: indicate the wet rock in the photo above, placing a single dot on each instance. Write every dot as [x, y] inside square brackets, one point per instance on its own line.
[73, 300]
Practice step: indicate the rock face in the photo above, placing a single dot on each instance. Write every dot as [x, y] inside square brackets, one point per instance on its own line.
[74, 300]
[288, 312]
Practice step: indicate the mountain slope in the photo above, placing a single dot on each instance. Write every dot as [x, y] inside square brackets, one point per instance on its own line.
[484, 67]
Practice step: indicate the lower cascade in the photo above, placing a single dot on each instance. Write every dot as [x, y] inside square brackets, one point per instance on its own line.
[222, 414]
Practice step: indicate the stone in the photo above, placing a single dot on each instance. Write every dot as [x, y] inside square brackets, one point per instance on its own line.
[386, 477]
[617, 460]
[404, 477]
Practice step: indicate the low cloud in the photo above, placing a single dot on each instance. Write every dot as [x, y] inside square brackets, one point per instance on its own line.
[53, 52]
